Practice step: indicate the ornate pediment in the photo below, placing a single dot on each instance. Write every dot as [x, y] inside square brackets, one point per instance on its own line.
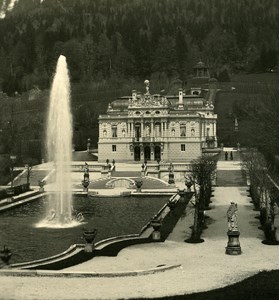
[147, 100]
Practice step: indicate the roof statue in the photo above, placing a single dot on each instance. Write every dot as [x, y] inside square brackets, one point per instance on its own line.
[146, 82]
[148, 100]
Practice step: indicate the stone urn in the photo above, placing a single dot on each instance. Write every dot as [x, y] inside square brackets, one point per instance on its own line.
[5, 255]
[171, 205]
[138, 183]
[89, 236]
[156, 224]
[41, 184]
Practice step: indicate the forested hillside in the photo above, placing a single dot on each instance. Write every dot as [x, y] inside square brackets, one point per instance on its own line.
[118, 39]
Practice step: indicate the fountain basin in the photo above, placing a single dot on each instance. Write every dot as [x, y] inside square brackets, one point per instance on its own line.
[19, 232]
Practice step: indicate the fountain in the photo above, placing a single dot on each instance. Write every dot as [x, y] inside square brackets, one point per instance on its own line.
[59, 149]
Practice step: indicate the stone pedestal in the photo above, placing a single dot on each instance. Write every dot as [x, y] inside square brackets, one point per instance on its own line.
[5, 256]
[156, 235]
[233, 246]
[85, 184]
[88, 248]
[171, 179]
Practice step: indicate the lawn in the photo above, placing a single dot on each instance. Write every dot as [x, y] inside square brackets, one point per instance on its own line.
[233, 99]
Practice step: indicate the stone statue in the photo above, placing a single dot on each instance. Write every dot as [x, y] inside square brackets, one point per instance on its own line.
[192, 132]
[146, 82]
[86, 172]
[232, 217]
[147, 131]
[171, 174]
[171, 168]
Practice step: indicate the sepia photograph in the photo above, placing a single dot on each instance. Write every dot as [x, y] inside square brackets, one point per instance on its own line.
[139, 149]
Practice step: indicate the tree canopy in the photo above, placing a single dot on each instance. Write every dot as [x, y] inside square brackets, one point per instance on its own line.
[133, 38]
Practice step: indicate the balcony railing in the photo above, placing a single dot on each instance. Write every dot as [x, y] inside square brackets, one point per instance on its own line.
[148, 139]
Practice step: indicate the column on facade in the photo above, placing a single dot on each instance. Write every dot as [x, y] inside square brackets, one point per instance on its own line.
[132, 129]
[141, 128]
[213, 128]
[129, 129]
[201, 128]
[152, 128]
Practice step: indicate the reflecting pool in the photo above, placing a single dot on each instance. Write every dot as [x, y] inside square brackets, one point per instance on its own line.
[111, 217]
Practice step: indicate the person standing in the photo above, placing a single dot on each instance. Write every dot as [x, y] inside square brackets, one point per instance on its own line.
[226, 155]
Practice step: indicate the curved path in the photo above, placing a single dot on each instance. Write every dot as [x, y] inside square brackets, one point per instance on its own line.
[204, 266]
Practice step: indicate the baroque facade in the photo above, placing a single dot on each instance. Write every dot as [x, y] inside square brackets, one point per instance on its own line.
[146, 127]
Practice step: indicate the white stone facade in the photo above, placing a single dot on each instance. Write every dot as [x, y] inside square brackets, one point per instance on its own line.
[154, 127]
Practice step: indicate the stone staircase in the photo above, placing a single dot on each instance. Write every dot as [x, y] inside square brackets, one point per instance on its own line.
[229, 171]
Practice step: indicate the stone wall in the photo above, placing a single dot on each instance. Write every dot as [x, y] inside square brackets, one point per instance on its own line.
[122, 152]
[174, 153]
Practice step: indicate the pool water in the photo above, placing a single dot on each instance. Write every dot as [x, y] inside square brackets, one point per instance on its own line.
[110, 216]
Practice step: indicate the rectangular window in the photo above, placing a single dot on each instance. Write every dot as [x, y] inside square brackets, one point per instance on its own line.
[183, 147]
[114, 148]
[182, 130]
[114, 131]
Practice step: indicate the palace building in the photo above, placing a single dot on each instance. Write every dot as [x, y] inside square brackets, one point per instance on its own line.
[144, 127]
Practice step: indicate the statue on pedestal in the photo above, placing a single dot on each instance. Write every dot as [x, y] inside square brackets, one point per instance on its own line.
[85, 181]
[146, 82]
[232, 217]
[233, 246]
[171, 174]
